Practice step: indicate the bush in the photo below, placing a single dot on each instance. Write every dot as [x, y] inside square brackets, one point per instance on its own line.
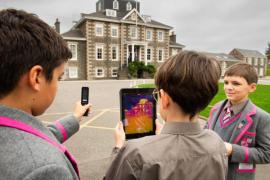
[137, 69]
[268, 72]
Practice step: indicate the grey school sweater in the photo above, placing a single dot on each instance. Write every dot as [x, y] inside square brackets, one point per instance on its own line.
[28, 157]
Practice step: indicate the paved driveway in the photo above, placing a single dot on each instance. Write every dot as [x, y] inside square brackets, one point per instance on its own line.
[92, 145]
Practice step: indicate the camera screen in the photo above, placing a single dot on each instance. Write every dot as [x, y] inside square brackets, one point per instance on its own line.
[138, 113]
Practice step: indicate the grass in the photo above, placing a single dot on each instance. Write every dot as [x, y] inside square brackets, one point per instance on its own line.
[261, 97]
[268, 72]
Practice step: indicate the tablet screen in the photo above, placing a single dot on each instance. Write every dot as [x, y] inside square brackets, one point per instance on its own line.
[138, 112]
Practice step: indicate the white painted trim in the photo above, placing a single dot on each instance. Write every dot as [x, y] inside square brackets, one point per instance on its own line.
[75, 58]
[162, 36]
[74, 38]
[130, 12]
[158, 49]
[117, 30]
[72, 68]
[96, 72]
[114, 68]
[102, 53]
[117, 52]
[151, 31]
[99, 25]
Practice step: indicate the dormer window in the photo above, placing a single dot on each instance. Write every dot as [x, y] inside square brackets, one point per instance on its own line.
[115, 4]
[129, 6]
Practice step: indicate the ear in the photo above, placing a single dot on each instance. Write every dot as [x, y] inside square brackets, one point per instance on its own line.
[35, 77]
[252, 87]
[164, 97]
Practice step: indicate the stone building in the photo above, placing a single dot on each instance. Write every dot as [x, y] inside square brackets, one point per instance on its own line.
[104, 42]
[253, 57]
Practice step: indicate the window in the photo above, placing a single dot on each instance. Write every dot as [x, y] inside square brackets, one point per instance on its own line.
[129, 6]
[73, 72]
[223, 68]
[115, 53]
[148, 35]
[261, 72]
[115, 4]
[262, 62]
[99, 72]
[249, 61]
[74, 50]
[99, 29]
[114, 72]
[99, 52]
[160, 35]
[174, 52]
[256, 61]
[114, 31]
[149, 54]
[110, 12]
[133, 32]
[160, 55]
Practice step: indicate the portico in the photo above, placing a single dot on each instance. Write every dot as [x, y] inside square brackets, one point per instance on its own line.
[136, 51]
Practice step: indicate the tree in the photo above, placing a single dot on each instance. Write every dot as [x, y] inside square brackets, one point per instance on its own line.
[267, 52]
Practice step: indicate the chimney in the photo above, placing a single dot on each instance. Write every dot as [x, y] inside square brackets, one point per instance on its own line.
[57, 25]
[173, 37]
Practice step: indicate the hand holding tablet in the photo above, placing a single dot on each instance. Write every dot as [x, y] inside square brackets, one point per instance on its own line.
[138, 112]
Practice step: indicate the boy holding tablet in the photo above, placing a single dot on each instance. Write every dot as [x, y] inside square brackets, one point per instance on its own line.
[185, 84]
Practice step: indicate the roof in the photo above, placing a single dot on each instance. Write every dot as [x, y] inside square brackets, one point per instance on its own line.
[250, 53]
[73, 34]
[221, 56]
[120, 16]
[174, 44]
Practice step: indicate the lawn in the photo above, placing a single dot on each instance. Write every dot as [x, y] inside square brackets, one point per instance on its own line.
[261, 97]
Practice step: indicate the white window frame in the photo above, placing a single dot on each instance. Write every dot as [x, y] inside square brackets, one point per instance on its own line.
[256, 61]
[131, 32]
[117, 54]
[115, 4]
[72, 72]
[249, 61]
[99, 46]
[162, 57]
[114, 27]
[174, 51]
[151, 35]
[129, 6]
[112, 74]
[99, 25]
[74, 53]
[151, 54]
[96, 72]
[223, 67]
[160, 38]
[261, 71]
[261, 61]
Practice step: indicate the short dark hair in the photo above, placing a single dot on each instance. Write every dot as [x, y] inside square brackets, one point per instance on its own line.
[26, 41]
[191, 80]
[244, 70]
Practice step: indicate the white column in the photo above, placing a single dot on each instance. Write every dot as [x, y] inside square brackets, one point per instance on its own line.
[145, 54]
[132, 52]
[127, 55]
[139, 53]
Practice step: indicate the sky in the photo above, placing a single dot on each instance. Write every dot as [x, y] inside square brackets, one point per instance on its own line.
[215, 26]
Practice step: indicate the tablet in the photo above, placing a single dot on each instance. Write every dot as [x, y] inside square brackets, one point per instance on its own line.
[138, 112]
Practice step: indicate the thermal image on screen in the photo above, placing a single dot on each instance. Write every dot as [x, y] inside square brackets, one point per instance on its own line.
[138, 111]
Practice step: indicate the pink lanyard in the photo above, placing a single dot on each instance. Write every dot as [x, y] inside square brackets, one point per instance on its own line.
[4, 121]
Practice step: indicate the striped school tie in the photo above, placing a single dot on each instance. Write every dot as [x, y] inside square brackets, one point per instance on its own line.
[227, 115]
